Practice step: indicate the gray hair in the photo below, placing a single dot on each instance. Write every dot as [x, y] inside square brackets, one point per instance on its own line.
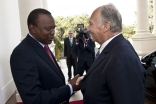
[111, 14]
[70, 31]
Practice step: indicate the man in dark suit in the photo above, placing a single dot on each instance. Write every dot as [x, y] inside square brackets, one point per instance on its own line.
[69, 54]
[116, 76]
[85, 48]
[93, 54]
[36, 73]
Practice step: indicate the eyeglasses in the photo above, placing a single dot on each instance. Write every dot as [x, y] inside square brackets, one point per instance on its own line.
[70, 33]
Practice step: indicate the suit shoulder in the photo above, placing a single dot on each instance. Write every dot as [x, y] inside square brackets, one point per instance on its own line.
[21, 47]
[65, 39]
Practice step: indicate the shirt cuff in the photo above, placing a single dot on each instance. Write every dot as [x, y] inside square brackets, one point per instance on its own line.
[71, 89]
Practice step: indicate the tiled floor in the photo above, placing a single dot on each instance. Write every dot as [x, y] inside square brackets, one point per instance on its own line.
[77, 95]
[12, 99]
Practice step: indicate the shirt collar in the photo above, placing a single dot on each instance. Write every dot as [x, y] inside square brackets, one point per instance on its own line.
[106, 43]
[70, 38]
[37, 41]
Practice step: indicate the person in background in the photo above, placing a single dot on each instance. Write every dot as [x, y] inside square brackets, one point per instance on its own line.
[93, 54]
[117, 75]
[85, 48]
[35, 71]
[70, 55]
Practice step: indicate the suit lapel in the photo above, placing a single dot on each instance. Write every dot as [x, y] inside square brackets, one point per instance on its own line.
[43, 54]
[104, 53]
[101, 57]
[60, 71]
[73, 42]
[68, 41]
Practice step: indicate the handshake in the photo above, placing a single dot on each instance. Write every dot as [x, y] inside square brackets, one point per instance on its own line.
[75, 82]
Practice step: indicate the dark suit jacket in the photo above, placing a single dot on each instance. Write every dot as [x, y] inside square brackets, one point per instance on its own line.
[85, 53]
[68, 49]
[36, 77]
[93, 54]
[116, 76]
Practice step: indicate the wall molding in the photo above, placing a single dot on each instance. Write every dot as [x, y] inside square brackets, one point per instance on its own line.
[6, 85]
[6, 91]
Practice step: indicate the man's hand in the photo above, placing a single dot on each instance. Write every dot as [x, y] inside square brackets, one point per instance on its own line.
[78, 81]
[77, 41]
[73, 83]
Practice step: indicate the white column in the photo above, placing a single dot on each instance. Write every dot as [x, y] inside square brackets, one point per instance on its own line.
[25, 7]
[142, 18]
[143, 41]
[154, 17]
[45, 5]
[52, 45]
[9, 38]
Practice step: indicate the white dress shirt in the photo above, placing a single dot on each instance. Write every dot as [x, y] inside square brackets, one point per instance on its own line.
[106, 43]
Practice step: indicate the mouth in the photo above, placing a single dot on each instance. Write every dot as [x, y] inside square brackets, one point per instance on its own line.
[51, 39]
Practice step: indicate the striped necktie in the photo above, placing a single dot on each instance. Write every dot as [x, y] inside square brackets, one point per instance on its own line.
[97, 54]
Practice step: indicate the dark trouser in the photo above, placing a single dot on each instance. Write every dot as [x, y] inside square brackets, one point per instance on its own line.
[71, 62]
[80, 70]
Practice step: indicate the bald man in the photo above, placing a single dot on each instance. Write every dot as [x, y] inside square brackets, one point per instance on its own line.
[116, 76]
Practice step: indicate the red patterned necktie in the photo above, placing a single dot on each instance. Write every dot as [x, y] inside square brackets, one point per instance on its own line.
[48, 52]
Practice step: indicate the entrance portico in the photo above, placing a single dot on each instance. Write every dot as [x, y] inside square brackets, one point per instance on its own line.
[14, 28]
[143, 41]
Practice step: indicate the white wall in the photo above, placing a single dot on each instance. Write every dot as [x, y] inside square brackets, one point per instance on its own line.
[25, 7]
[10, 35]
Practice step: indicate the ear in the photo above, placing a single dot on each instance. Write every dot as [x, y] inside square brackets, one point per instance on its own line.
[106, 26]
[32, 28]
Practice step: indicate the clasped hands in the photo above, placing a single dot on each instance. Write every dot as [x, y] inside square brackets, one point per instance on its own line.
[76, 82]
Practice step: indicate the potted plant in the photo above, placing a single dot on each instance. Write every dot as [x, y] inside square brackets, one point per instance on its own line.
[58, 47]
